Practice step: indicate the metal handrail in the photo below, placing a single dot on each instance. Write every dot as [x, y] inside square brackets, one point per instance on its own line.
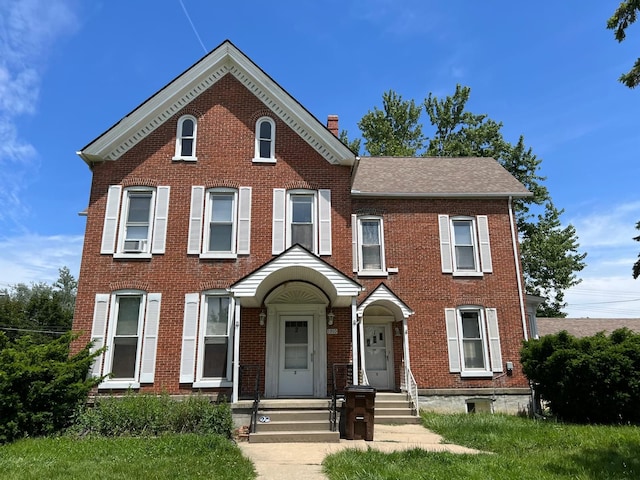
[412, 390]
[256, 394]
[335, 391]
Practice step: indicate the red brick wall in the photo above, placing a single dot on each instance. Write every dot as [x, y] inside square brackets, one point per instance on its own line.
[226, 116]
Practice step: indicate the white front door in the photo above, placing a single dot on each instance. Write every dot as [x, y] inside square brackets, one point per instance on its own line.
[296, 355]
[378, 356]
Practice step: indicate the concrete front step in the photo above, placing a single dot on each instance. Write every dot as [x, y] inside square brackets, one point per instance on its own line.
[396, 420]
[294, 415]
[323, 436]
[299, 426]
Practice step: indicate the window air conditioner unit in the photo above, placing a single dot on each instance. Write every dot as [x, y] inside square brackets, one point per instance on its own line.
[134, 246]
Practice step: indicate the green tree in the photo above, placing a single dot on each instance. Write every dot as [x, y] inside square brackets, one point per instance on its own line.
[26, 309]
[623, 17]
[395, 130]
[636, 266]
[550, 253]
[354, 144]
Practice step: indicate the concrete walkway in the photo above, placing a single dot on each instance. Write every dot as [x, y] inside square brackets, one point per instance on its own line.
[297, 461]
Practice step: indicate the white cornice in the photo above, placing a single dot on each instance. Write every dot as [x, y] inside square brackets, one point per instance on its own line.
[180, 92]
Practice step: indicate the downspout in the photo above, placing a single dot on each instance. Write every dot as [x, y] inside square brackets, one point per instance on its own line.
[354, 340]
[236, 354]
[516, 257]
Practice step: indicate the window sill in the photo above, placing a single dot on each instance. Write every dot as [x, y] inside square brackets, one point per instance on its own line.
[263, 160]
[373, 273]
[143, 255]
[476, 374]
[218, 256]
[468, 274]
[118, 385]
[185, 159]
[212, 383]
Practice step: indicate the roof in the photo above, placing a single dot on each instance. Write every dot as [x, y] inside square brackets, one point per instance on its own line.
[585, 327]
[434, 177]
[223, 60]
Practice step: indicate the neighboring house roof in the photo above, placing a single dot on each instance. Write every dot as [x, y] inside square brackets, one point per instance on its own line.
[434, 177]
[224, 59]
[585, 327]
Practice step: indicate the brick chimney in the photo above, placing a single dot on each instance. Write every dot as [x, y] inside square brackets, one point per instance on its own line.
[332, 124]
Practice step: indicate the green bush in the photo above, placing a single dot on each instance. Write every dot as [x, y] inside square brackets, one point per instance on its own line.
[41, 386]
[152, 415]
[587, 380]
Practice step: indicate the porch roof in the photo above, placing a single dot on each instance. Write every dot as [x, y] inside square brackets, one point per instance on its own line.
[295, 264]
[384, 296]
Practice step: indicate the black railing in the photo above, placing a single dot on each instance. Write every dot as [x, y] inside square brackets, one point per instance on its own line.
[341, 377]
[250, 388]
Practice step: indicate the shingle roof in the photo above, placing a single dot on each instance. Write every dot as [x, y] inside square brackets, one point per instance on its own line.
[585, 327]
[434, 177]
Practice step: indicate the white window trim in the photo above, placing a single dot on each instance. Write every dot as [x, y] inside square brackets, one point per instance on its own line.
[362, 272]
[314, 213]
[178, 152]
[124, 211]
[207, 219]
[199, 381]
[272, 157]
[476, 257]
[111, 328]
[474, 372]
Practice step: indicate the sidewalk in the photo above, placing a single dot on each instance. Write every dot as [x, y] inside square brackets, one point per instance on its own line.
[297, 461]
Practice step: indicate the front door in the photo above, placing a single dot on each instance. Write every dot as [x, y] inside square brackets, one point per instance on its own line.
[296, 355]
[378, 356]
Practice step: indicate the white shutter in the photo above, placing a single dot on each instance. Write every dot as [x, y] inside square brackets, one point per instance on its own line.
[445, 244]
[98, 330]
[195, 220]
[324, 214]
[150, 344]
[354, 242]
[452, 339]
[485, 247]
[189, 336]
[279, 199]
[160, 220]
[494, 340]
[244, 220]
[111, 219]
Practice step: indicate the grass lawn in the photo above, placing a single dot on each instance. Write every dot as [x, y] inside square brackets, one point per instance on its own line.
[520, 449]
[166, 457]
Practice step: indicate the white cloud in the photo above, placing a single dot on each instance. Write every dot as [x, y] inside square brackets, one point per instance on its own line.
[607, 288]
[28, 30]
[37, 258]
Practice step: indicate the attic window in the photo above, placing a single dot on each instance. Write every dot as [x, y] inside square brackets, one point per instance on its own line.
[265, 141]
[186, 139]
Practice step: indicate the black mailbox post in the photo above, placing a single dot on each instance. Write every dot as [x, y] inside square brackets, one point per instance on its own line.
[360, 412]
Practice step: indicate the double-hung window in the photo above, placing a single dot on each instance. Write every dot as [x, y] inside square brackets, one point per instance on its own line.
[135, 223]
[265, 148]
[186, 136]
[127, 323]
[207, 339]
[464, 245]
[220, 222]
[474, 341]
[302, 217]
[369, 257]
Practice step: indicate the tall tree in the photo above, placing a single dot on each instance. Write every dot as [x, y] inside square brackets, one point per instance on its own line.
[395, 130]
[550, 252]
[354, 144]
[623, 17]
[636, 266]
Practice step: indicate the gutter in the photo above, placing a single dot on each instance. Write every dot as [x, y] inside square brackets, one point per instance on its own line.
[358, 193]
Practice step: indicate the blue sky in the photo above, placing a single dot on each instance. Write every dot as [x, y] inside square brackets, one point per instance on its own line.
[70, 69]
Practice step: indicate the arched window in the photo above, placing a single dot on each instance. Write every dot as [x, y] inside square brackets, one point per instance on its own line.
[186, 138]
[265, 140]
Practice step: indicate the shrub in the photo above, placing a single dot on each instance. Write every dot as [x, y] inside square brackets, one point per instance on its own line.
[587, 380]
[41, 386]
[152, 415]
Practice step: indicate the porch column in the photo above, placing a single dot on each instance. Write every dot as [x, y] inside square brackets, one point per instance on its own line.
[405, 347]
[236, 353]
[365, 379]
[354, 340]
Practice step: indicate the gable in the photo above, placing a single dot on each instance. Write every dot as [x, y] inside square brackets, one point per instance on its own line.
[225, 59]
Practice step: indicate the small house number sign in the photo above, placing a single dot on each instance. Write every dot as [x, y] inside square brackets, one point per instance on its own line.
[332, 331]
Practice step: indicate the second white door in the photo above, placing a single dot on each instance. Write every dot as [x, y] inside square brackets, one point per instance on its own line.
[296, 355]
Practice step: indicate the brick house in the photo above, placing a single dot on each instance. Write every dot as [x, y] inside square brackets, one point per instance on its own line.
[228, 228]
